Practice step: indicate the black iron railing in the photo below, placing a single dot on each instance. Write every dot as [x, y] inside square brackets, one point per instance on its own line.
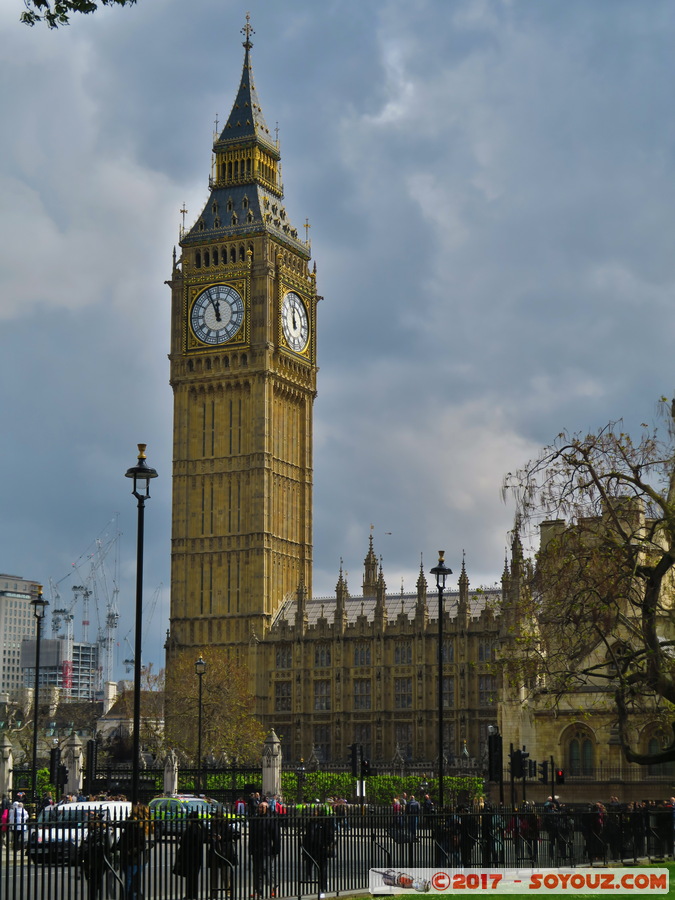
[305, 853]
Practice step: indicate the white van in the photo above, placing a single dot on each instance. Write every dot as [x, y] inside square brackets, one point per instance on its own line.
[61, 829]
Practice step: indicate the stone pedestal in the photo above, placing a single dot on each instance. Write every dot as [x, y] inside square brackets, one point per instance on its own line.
[271, 765]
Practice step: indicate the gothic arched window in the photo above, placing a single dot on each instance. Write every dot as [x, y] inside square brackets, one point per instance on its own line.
[322, 655]
[580, 752]
[403, 653]
[362, 654]
[656, 743]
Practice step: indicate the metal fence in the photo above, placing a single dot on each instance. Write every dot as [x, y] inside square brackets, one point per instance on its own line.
[305, 853]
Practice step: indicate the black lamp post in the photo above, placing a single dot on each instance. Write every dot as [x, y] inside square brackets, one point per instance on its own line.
[441, 571]
[200, 668]
[39, 605]
[141, 473]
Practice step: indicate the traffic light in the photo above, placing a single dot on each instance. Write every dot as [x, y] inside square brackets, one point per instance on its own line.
[62, 776]
[365, 768]
[543, 772]
[54, 763]
[532, 768]
[517, 763]
[524, 763]
[494, 757]
[560, 776]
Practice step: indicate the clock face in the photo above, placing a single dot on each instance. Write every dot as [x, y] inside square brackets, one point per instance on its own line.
[217, 314]
[294, 322]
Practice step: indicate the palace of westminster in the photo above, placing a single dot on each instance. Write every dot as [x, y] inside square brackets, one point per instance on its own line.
[325, 672]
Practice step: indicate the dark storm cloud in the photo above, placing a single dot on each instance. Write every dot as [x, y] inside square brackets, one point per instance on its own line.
[490, 190]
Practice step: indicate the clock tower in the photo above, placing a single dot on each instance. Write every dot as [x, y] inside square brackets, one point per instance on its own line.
[243, 373]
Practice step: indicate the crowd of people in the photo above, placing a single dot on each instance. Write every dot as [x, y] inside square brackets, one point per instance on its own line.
[490, 835]
[464, 835]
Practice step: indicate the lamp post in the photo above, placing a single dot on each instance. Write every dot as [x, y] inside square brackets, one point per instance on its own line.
[141, 474]
[39, 605]
[200, 668]
[441, 571]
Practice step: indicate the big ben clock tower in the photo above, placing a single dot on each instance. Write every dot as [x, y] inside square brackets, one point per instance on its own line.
[243, 372]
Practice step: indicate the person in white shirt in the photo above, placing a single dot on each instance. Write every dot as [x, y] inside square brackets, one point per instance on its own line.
[16, 821]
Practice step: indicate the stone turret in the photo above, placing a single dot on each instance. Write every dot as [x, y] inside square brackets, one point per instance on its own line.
[301, 618]
[380, 601]
[341, 594]
[421, 607]
[370, 571]
[463, 609]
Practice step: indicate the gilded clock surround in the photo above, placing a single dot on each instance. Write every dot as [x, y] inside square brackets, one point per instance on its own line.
[194, 288]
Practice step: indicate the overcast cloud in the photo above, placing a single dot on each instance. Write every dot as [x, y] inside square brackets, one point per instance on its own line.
[491, 191]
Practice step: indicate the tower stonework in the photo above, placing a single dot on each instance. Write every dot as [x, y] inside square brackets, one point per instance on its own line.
[243, 372]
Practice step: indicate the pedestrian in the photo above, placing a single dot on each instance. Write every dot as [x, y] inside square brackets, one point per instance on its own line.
[132, 847]
[412, 811]
[340, 809]
[553, 826]
[47, 800]
[253, 803]
[446, 840]
[524, 829]
[468, 834]
[93, 855]
[16, 821]
[222, 854]
[593, 827]
[189, 855]
[263, 848]
[318, 846]
[4, 816]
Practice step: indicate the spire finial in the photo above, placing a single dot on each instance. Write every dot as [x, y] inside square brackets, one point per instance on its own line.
[247, 31]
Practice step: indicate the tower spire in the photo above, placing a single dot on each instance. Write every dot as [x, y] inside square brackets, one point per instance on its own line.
[247, 31]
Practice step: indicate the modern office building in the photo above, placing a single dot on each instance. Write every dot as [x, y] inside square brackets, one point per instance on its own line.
[16, 623]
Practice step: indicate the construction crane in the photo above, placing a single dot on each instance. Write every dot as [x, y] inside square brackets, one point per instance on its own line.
[128, 663]
[67, 660]
[86, 594]
[56, 603]
[90, 585]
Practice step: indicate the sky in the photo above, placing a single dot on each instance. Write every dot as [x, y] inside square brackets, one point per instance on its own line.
[490, 186]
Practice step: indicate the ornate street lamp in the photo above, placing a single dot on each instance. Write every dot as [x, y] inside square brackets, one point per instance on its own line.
[200, 668]
[441, 571]
[141, 474]
[39, 605]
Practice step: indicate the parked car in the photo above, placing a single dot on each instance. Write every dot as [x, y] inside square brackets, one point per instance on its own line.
[170, 814]
[61, 829]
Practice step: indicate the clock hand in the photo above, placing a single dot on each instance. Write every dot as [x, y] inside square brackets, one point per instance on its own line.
[216, 307]
[295, 324]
